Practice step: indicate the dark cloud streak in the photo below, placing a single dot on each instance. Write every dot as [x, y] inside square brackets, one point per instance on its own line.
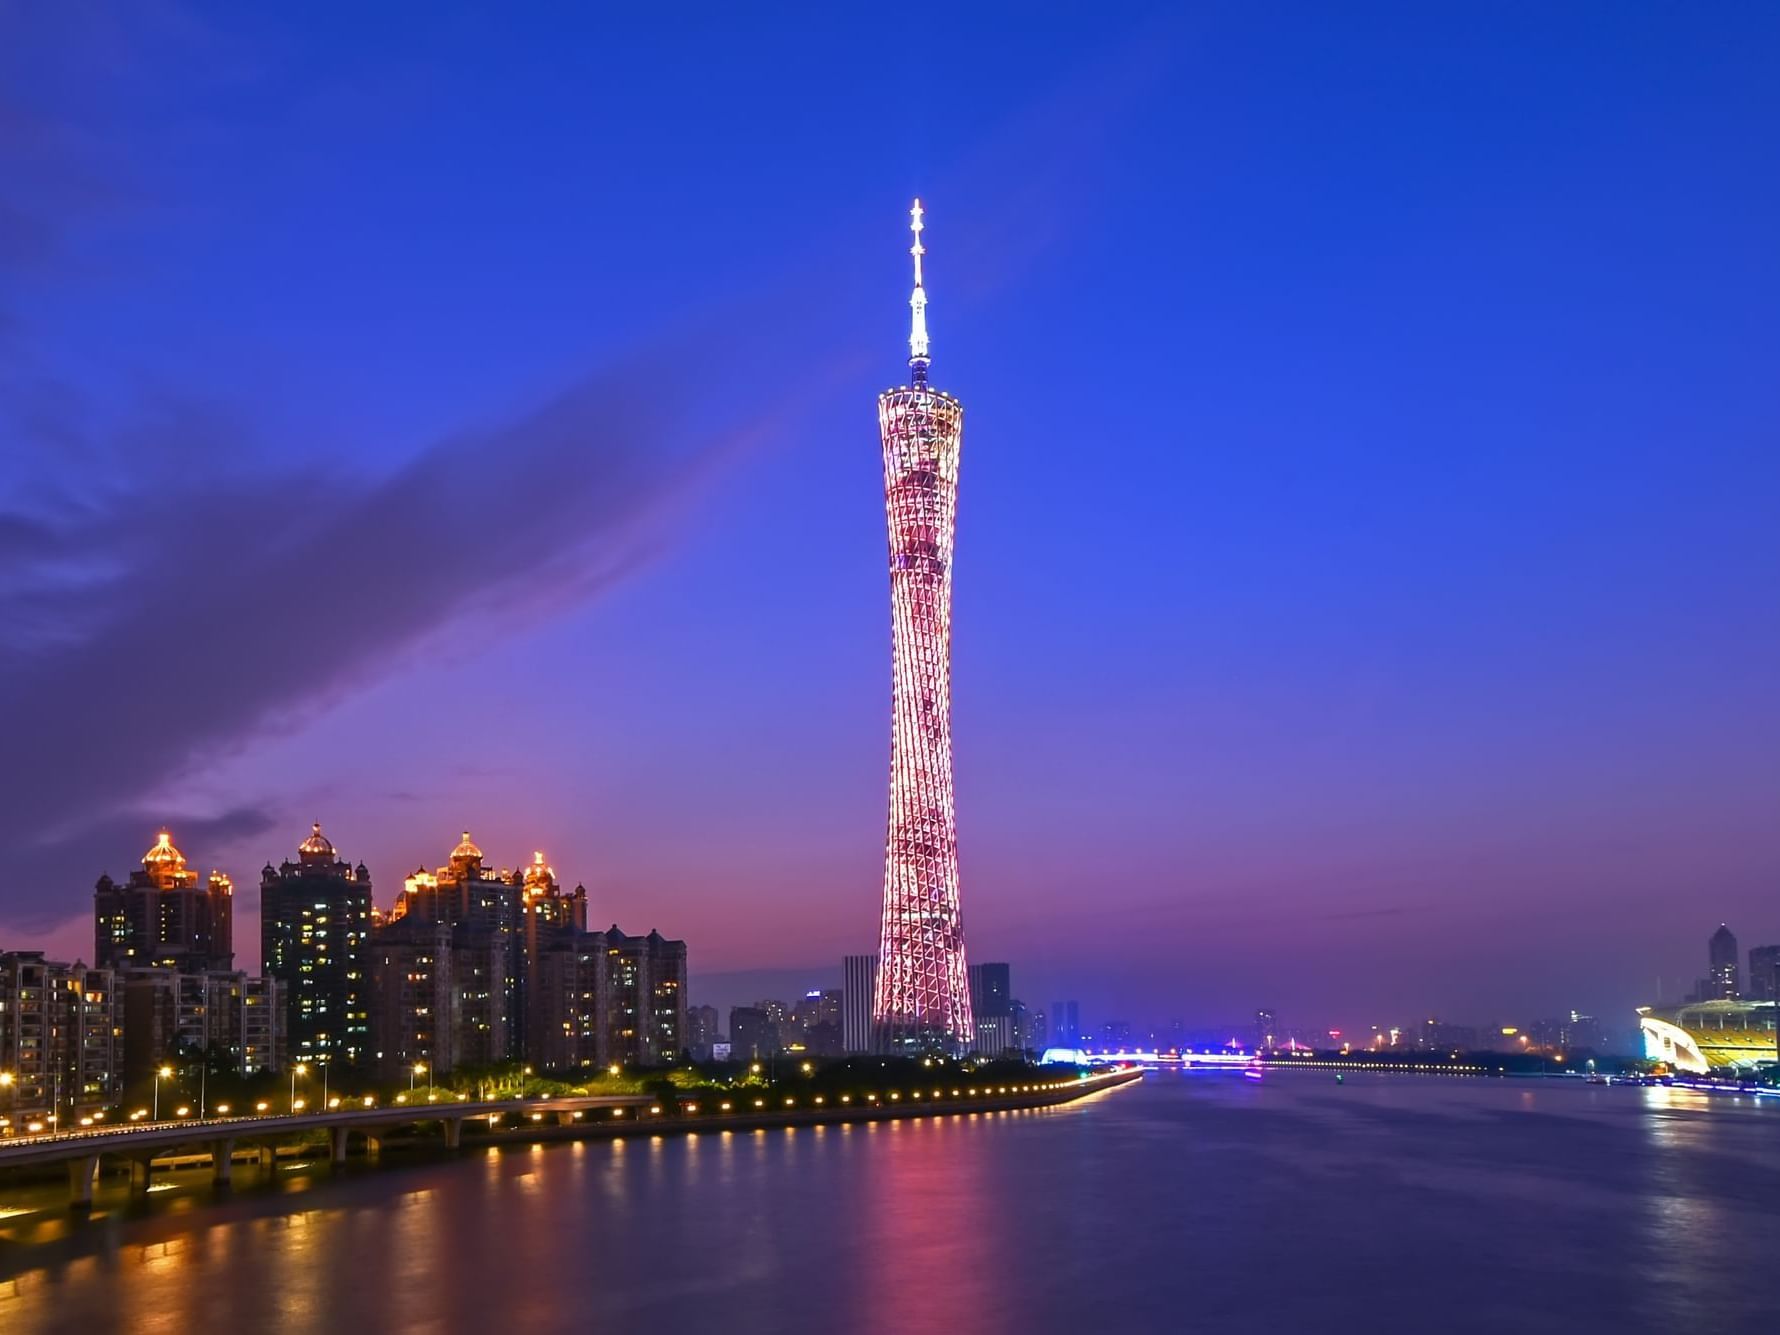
[235, 606]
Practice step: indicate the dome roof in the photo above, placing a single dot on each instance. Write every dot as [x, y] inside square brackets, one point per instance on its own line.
[466, 850]
[163, 854]
[539, 874]
[316, 845]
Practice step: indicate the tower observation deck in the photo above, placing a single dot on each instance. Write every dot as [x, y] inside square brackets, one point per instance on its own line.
[922, 997]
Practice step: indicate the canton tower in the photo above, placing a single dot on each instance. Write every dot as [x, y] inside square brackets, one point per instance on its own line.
[922, 999]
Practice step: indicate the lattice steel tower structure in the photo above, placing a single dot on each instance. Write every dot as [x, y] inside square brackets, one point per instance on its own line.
[922, 998]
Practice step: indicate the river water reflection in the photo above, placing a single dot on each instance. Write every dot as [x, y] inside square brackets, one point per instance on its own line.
[1198, 1202]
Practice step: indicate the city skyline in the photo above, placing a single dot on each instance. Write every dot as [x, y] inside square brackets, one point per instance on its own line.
[1371, 576]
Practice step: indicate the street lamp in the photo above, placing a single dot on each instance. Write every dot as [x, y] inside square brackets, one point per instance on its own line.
[301, 1068]
[165, 1073]
[418, 1070]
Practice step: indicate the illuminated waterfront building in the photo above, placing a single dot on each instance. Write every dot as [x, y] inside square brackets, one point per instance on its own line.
[163, 918]
[1708, 1035]
[859, 980]
[315, 925]
[922, 997]
[61, 1038]
[1721, 957]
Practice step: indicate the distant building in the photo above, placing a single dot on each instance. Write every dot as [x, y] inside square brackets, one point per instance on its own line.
[701, 1031]
[1764, 973]
[1115, 1034]
[1065, 1022]
[1721, 975]
[752, 1034]
[819, 1020]
[1572, 1032]
[821, 1006]
[995, 1035]
[224, 1019]
[780, 1016]
[61, 1038]
[1438, 1036]
[991, 990]
[859, 979]
[162, 918]
[315, 926]
[1267, 1033]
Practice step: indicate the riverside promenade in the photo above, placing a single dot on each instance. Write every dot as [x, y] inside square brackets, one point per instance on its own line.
[221, 1142]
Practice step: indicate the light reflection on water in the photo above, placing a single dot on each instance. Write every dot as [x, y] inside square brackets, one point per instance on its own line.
[1385, 1203]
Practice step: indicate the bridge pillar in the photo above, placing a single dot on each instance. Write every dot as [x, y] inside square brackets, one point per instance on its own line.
[373, 1144]
[82, 1173]
[337, 1143]
[222, 1161]
[565, 1119]
[140, 1170]
[454, 1132]
[268, 1158]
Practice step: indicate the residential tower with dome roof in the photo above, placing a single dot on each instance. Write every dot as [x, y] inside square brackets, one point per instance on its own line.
[315, 927]
[164, 916]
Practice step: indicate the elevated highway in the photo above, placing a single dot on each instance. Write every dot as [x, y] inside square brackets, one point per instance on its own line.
[224, 1138]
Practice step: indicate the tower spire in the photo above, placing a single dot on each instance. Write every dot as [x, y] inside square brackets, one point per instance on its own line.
[917, 304]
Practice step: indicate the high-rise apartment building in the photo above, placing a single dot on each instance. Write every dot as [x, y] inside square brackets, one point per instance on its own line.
[61, 1039]
[315, 926]
[413, 998]
[481, 967]
[923, 998]
[646, 998]
[553, 971]
[229, 1020]
[162, 917]
[565, 1006]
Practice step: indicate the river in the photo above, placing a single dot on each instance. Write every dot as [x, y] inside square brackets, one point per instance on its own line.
[1203, 1202]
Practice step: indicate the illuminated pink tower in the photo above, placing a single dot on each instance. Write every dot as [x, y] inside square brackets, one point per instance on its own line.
[923, 995]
